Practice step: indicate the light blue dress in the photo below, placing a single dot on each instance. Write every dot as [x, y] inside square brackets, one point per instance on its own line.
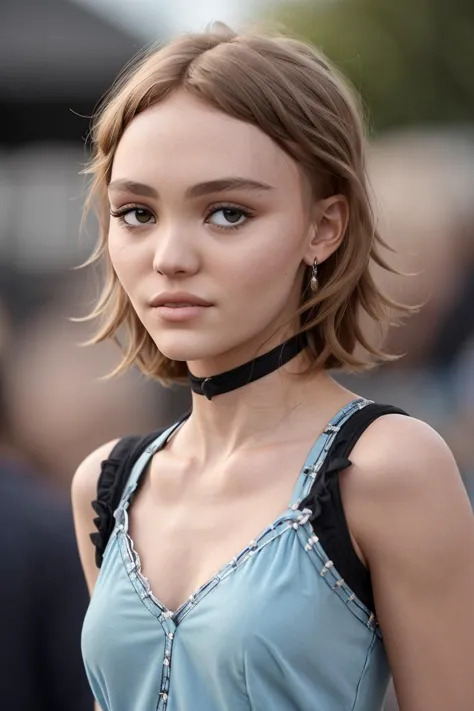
[276, 629]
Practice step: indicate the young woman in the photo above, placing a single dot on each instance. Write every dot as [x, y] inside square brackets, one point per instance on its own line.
[246, 561]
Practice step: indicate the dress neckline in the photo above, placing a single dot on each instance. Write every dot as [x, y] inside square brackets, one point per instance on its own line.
[281, 523]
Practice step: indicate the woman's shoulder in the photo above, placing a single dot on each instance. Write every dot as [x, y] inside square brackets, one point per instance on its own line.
[97, 488]
[108, 456]
[398, 450]
[83, 492]
[403, 481]
[86, 477]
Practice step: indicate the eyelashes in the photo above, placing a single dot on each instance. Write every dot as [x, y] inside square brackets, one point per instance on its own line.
[127, 210]
[230, 213]
[225, 216]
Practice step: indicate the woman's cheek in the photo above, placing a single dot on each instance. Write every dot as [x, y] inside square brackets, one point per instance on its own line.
[128, 260]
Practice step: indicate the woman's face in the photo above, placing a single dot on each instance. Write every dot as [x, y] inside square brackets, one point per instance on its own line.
[209, 231]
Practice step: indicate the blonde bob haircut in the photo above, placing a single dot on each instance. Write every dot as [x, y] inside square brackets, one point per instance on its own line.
[289, 91]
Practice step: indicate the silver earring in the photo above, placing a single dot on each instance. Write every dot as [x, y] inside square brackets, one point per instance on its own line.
[314, 283]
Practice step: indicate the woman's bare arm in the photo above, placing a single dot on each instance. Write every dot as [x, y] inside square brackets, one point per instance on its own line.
[413, 522]
[84, 491]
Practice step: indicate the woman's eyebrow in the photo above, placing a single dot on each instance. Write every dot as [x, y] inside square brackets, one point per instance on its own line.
[210, 186]
[131, 186]
[223, 184]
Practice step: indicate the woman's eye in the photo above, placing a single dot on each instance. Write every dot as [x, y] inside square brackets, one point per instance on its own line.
[136, 217]
[227, 217]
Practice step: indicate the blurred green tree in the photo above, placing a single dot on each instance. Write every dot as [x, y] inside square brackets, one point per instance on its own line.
[412, 60]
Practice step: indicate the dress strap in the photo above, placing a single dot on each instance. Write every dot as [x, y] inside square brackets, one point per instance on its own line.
[328, 519]
[119, 477]
[113, 477]
[318, 452]
[147, 451]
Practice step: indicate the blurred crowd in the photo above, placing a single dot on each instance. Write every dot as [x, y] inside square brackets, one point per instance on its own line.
[56, 406]
[423, 182]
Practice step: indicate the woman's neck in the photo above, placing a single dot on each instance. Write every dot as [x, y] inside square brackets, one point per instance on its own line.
[262, 411]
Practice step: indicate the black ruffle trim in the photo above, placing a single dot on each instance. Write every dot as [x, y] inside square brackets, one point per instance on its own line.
[113, 479]
[329, 524]
[320, 493]
[108, 492]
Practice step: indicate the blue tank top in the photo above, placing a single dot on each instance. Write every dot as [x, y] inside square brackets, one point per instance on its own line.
[276, 628]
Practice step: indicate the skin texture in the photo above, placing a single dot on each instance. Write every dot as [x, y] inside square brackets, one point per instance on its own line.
[408, 514]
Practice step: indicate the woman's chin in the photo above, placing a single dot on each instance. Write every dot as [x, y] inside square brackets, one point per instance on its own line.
[186, 350]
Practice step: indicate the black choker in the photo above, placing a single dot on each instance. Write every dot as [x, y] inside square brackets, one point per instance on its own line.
[248, 372]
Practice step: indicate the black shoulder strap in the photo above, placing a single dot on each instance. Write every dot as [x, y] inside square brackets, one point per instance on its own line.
[114, 474]
[328, 518]
[352, 430]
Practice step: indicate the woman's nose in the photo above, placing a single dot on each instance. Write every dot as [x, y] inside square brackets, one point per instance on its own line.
[175, 255]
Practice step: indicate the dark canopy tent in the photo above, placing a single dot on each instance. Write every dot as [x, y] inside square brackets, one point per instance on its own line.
[56, 60]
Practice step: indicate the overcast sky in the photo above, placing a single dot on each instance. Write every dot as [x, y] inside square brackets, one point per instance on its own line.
[151, 18]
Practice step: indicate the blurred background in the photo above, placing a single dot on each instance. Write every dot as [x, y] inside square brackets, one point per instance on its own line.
[410, 61]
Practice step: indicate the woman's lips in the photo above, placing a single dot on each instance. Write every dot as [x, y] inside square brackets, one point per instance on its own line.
[178, 312]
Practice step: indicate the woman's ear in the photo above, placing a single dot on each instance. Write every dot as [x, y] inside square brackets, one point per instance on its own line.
[329, 225]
